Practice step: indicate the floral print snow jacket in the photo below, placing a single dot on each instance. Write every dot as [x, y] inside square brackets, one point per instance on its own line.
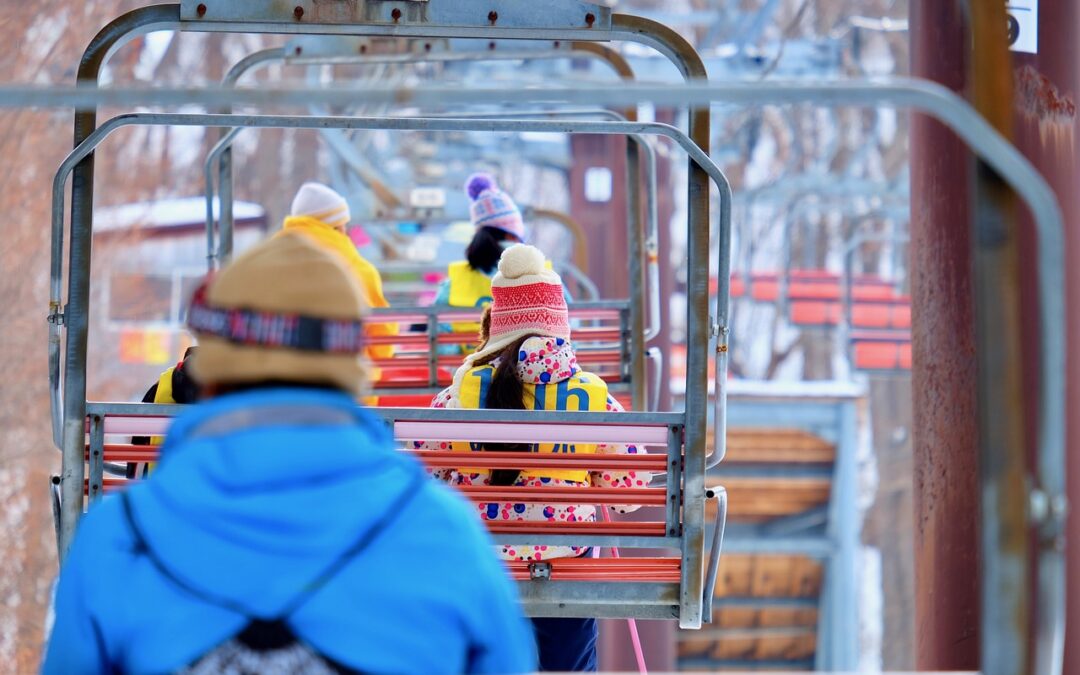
[544, 360]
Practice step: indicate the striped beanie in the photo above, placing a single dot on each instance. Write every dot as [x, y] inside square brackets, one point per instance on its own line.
[315, 200]
[491, 207]
[527, 299]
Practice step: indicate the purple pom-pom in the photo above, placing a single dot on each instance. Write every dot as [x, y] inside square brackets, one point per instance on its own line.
[479, 183]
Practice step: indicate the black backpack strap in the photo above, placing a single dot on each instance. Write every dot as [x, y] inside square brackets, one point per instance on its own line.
[414, 485]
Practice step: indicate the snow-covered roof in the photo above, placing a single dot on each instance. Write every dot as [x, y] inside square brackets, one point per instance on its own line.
[165, 214]
[794, 389]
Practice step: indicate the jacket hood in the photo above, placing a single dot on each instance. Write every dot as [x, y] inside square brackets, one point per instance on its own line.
[257, 494]
[546, 360]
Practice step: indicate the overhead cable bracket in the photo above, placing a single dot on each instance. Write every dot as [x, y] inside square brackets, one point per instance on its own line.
[483, 15]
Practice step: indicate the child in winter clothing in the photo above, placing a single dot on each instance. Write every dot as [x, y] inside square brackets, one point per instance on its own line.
[175, 385]
[283, 532]
[320, 213]
[528, 363]
[499, 225]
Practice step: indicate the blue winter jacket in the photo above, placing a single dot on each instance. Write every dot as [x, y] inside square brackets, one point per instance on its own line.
[255, 496]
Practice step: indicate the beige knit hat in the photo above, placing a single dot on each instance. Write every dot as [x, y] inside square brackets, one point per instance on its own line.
[321, 202]
[286, 310]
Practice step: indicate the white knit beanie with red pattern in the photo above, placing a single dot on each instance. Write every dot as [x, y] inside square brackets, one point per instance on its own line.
[527, 299]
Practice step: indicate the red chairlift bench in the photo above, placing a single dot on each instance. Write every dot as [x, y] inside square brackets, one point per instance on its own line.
[417, 368]
[767, 284]
[639, 587]
[888, 351]
[891, 314]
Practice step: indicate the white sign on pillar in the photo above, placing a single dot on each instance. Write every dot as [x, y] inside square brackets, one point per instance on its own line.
[1023, 25]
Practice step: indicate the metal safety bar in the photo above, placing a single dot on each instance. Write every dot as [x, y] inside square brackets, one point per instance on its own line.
[349, 53]
[346, 50]
[791, 222]
[413, 123]
[221, 153]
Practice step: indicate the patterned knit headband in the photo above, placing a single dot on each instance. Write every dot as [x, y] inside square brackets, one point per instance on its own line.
[270, 329]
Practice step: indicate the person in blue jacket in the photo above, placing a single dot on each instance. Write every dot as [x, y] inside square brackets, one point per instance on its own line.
[282, 532]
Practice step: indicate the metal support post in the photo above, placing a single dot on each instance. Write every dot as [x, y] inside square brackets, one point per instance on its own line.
[838, 630]
[77, 311]
[638, 299]
[433, 350]
[673, 485]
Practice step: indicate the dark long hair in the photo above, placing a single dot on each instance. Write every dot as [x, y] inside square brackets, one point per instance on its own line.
[505, 393]
[485, 249]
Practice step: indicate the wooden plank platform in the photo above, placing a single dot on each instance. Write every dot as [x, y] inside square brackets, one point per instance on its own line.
[762, 499]
[772, 615]
[763, 632]
[777, 445]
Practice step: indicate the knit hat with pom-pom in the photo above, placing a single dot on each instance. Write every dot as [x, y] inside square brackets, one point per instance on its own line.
[491, 207]
[527, 300]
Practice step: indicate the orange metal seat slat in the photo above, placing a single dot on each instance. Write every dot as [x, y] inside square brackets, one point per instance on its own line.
[539, 527]
[119, 452]
[603, 569]
[566, 495]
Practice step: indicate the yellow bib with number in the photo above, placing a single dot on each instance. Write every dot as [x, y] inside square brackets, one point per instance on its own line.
[468, 288]
[164, 394]
[582, 392]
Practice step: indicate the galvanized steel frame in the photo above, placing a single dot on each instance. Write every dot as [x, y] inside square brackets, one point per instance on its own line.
[650, 299]
[75, 314]
[238, 121]
[791, 223]
[640, 302]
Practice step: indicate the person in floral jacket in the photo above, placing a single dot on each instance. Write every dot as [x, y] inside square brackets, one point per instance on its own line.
[527, 362]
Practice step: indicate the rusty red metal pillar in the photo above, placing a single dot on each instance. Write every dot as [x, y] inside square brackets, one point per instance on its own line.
[1046, 87]
[944, 364]
[602, 213]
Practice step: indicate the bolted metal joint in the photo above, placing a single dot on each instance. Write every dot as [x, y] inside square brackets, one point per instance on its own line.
[55, 316]
[1048, 513]
[540, 571]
